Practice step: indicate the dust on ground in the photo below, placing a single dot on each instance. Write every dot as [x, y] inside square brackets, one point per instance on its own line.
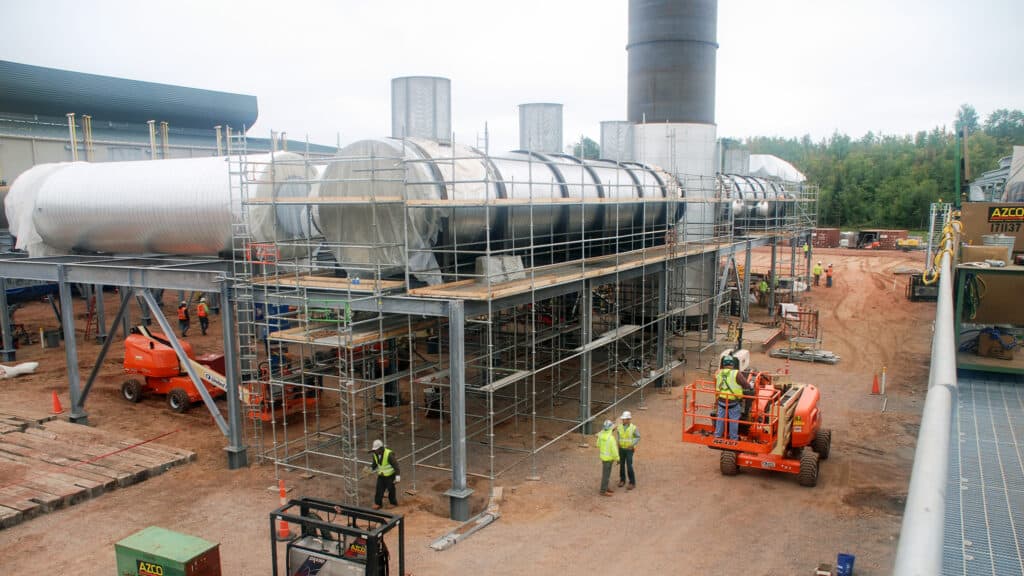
[684, 517]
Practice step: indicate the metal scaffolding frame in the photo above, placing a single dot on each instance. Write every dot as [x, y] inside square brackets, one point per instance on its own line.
[474, 371]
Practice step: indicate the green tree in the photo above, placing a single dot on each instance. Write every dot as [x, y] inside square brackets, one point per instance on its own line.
[967, 116]
[586, 148]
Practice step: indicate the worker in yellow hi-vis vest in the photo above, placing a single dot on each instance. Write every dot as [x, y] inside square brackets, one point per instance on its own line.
[629, 437]
[385, 464]
[608, 448]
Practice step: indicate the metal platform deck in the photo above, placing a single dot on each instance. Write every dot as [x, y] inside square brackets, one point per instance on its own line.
[984, 531]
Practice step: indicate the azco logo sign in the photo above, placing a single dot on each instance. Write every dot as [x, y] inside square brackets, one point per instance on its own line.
[149, 568]
[1006, 214]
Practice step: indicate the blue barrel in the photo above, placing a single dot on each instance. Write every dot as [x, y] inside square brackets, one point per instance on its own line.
[844, 564]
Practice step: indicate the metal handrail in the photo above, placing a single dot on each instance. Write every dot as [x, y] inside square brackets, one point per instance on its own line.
[921, 536]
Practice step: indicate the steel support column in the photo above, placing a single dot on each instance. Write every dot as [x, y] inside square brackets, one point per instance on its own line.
[792, 270]
[662, 341]
[586, 367]
[771, 279]
[460, 491]
[101, 315]
[236, 449]
[67, 313]
[172, 338]
[5, 324]
[745, 300]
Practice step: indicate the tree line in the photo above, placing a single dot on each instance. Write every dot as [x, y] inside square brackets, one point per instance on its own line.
[888, 181]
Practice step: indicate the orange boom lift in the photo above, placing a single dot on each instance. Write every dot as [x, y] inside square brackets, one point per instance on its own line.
[780, 429]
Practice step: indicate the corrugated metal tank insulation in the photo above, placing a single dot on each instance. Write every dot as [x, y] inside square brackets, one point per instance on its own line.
[178, 206]
[617, 140]
[540, 127]
[427, 170]
[421, 107]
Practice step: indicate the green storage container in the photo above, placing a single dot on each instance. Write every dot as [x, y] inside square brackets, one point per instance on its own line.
[156, 551]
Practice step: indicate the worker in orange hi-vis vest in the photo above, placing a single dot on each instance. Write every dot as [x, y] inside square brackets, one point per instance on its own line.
[183, 318]
[203, 311]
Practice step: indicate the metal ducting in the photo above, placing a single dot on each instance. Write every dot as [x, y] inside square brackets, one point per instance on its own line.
[179, 206]
[370, 237]
[540, 127]
[421, 107]
[672, 49]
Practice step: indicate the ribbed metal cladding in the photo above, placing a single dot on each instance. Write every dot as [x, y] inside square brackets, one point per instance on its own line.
[617, 140]
[672, 48]
[421, 107]
[28, 89]
[540, 127]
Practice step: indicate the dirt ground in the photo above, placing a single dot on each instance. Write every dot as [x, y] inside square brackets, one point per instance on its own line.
[684, 517]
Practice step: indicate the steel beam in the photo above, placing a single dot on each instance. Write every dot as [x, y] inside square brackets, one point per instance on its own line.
[460, 491]
[586, 367]
[67, 313]
[125, 300]
[172, 338]
[236, 449]
[5, 324]
[662, 342]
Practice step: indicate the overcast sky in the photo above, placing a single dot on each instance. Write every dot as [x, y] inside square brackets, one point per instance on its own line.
[785, 67]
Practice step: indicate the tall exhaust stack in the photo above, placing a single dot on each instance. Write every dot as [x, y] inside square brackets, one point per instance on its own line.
[421, 107]
[671, 102]
[540, 127]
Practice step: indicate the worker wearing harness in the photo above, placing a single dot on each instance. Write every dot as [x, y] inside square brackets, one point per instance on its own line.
[386, 466]
[629, 437]
[608, 448]
[729, 387]
[183, 318]
[203, 311]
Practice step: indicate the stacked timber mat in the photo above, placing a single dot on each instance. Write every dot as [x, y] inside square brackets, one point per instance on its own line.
[47, 464]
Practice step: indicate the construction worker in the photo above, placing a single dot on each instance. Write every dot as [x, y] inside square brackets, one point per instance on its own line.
[386, 466]
[203, 311]
[730, 385]
[762, 290]
[629, 437]
[608, 449]
[828, 277]
[816, 272]
[183, 318]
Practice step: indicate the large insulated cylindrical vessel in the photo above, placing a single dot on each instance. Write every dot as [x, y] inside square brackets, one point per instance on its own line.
[421, 107]
[540, 127]
[672, 46]
[179, 206]
[617, 140]
[532, 206]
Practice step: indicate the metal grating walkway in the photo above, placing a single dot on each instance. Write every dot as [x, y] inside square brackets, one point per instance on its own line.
[984, 531]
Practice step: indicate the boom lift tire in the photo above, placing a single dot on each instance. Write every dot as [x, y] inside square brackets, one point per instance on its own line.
[178, 400]
[727, 463]
[131, 391]
[823, 444]
[808, 468]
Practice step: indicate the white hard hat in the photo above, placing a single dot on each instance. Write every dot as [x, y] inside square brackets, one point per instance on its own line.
[377, 445]
[819, 261]
[202, 299]
[182, 303]
[607, 424]
[627, 415]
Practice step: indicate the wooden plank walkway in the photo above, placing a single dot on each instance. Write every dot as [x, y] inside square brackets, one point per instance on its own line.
[47, 464]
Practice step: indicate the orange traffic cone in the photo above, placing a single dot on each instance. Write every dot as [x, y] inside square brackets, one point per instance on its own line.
[57, 409]
[282, 526]
[874, 387]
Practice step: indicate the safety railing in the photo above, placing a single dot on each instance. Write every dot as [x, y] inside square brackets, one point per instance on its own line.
[921, 537]
[700, 399]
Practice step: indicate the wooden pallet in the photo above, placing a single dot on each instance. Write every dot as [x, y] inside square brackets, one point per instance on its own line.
[48, 464]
